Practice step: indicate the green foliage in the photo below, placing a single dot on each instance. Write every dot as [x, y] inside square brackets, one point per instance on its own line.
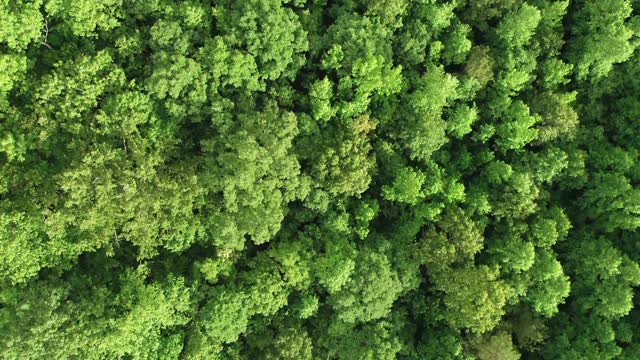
[549, 285]
[406, 187]
[370, 291]
[474, 297]
[605, 282]
[480, 64]
[22, 23]
[293, 179]
[517, 27]
[498, 346]
[602, 37]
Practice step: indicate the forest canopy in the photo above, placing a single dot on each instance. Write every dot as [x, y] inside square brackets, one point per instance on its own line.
[319, 179]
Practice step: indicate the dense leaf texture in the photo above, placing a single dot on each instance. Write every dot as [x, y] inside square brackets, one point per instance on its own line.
[313, 179]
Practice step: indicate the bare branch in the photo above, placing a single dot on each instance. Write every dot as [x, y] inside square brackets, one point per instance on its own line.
[46, 35]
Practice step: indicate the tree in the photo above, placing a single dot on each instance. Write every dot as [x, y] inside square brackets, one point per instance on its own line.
[474, 297]
[22, 23]
[370, 291]
[550, 286]
[284, 179]
[498, 346]
[601, 37]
